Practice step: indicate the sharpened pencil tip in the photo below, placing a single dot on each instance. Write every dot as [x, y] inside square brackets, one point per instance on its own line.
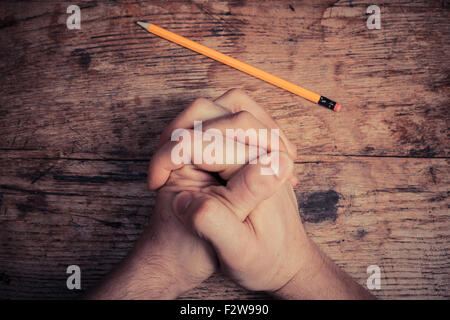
[143, 24]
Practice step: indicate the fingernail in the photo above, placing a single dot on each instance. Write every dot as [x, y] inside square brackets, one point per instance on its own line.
[182, 202]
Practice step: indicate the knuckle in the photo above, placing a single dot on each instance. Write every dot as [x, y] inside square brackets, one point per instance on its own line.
[243, 116]
[199, 103]
[235, 96]
[204, 212]
[236, 92]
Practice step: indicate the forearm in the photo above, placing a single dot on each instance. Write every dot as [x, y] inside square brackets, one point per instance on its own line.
[140, 276]
[320, 278]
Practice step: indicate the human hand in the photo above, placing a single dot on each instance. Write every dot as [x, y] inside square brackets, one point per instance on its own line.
[167, 260]
[241, 194]
[253, 222]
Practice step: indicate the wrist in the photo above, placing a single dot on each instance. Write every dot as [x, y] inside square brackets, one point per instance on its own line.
[141, 275]
[310, 267]
[320, 278]
[158, 271]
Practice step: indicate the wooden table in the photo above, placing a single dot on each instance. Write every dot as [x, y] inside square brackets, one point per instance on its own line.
[81, 112]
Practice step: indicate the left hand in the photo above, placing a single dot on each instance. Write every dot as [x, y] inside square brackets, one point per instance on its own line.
[169, 259]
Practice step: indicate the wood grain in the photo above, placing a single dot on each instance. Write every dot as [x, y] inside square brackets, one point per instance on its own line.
[81, 112]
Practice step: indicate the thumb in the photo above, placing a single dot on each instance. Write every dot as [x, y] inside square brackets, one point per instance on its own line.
[212, 220]
[255, 183]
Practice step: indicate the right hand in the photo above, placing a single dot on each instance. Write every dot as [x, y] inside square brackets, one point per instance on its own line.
[252, 223]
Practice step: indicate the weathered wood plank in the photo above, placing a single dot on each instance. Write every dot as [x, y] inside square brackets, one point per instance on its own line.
[81, 111]
[110, 88]
[362, 211]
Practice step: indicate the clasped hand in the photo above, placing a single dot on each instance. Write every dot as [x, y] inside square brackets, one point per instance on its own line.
[226, 215]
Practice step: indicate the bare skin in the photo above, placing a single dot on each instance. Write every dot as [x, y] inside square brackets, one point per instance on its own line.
[249, 227]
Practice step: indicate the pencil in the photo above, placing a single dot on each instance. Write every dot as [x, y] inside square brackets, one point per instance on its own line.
[258, 73]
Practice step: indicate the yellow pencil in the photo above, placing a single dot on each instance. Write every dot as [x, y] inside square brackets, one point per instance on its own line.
[258, 73]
